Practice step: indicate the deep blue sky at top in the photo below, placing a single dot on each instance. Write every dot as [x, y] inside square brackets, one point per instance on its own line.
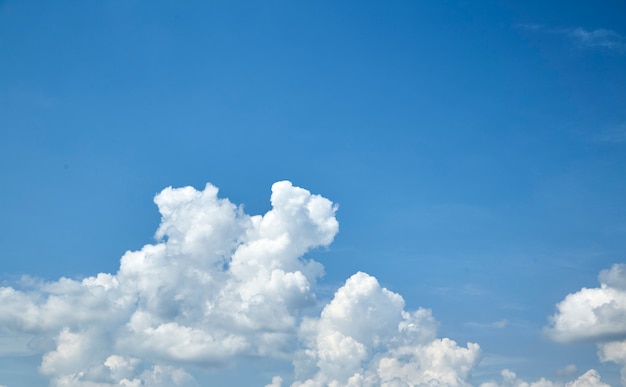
[475, 148]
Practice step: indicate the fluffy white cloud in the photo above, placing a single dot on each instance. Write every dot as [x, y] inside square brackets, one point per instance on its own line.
[218, 284]
[277, 381]
[364, 337]
[614, 351]
[596, 313]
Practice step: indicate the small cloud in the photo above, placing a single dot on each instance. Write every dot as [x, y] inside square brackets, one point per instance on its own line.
[601, 38]
[530, 27]
[614, 351]
[568, 370]
[500, 324]
[598, 38]
[495, 324]
[489, 325]
[277, 381]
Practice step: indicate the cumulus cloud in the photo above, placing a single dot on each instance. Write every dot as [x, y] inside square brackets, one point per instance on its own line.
[614, 351]
[219, 284]
[364, 337]
[596, 314]
[277, 381]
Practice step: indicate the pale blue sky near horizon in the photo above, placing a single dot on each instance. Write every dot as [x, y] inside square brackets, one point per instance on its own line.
[477, 150]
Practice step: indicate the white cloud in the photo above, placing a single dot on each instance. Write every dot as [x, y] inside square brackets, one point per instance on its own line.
[590, 378]
[364, 337]
[568, 370]
[593, 313]
[602, 38]
[598, 38]
[500, 324]
[614, 351]
[218, 284]
[596, 314]
[277, 381]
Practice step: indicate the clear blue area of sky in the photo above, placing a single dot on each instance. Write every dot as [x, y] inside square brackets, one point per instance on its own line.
[477, 150]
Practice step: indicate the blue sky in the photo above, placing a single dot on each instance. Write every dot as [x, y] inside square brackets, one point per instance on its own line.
[476, 152]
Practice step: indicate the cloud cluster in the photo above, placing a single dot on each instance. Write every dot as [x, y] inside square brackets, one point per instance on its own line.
[364, 337]
[590, 378]
[220, 284]
[598, 315]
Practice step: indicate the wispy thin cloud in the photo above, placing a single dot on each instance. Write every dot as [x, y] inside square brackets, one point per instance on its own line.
[531, 27]
[591, 39]
[500, 324]
[568, 371]
[495, 324]
[600, 38]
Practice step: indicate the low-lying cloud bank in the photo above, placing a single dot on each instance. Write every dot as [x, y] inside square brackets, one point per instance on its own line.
[220, 284]
[590, 378]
